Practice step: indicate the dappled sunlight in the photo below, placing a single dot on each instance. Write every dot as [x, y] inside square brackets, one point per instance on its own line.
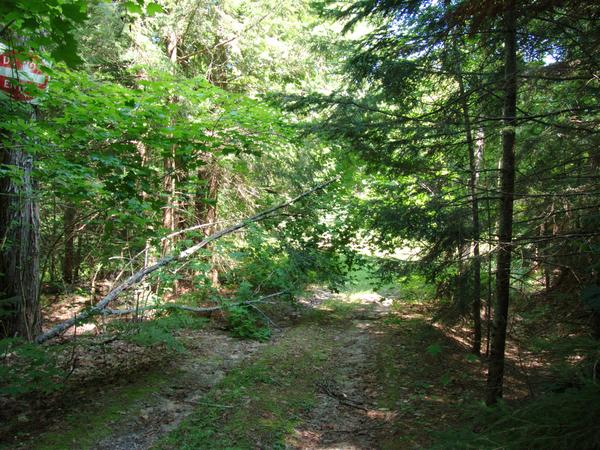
[398, 379]
[258, 224]
[522, 366]
[362, 297]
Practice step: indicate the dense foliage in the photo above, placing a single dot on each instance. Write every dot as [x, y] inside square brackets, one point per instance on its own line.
[466, 131]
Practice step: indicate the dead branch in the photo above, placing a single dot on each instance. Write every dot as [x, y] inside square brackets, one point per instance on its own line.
[183, 255]
[171, 306]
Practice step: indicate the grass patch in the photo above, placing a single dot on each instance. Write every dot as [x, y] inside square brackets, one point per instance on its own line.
[160, 330]
[260, 404]
[337, 311]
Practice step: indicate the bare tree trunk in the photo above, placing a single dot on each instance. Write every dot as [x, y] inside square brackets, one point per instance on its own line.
[474, 160]
[488, 303]
[170, 212]
[69, 240]
[20, 313]
[507, 182]
[77, 265]
[209, 177]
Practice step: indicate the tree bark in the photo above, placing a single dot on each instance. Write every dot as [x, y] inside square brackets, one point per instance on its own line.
[474, 163]
[207, 195]
[20, 313]
[507, 182]
[69, 240]
[474, 159]
[77, 259]
[170, 213]
[209, 175]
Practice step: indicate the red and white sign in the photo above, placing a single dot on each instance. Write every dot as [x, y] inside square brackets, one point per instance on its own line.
[15, 75]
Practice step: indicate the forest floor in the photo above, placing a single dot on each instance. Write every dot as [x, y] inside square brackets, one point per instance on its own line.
[344, 371]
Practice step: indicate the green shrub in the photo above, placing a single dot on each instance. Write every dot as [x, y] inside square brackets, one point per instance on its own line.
[160, 331]
[27, 367]
[245, 323]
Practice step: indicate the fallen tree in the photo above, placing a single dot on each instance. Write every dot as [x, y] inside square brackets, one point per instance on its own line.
[196, 309]
[134, 279]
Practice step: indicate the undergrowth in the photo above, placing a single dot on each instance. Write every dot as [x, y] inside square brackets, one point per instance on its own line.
[30, 368]
[159, 331]
[554, 421]
[27, 367]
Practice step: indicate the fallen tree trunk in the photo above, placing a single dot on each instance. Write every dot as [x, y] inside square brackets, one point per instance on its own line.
[170, 306]
[183, 255]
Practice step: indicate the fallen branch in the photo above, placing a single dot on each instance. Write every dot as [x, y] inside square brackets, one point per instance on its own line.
[170, 306]
[194, 228]
[183, 255]
[262, 313]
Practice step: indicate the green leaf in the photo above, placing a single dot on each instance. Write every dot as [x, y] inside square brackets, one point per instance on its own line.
[445, 379]
[472, 358]
[154, 8]
[75, 12]
[133, 8]
[68, 55]
[434, 349]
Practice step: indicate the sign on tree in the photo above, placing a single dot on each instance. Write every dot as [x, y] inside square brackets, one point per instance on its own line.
[16, 76]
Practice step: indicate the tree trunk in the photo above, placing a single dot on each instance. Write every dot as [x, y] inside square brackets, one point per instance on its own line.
[20, 313]
[69, 239]
[170, 212]
[207, 195]
[474, 160]
[507, 182]
[77, 266]
[209, 175]
[171, 169]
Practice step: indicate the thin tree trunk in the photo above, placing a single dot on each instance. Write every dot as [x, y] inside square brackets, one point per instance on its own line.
[475, 163]
[474, 159]
[488, 303]
[69, 240]
[207, 195]
[171, 169]
[507, 182]
[20, 313]
[77, 262]
[209, 175]
[473, 178]
[170, 212]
